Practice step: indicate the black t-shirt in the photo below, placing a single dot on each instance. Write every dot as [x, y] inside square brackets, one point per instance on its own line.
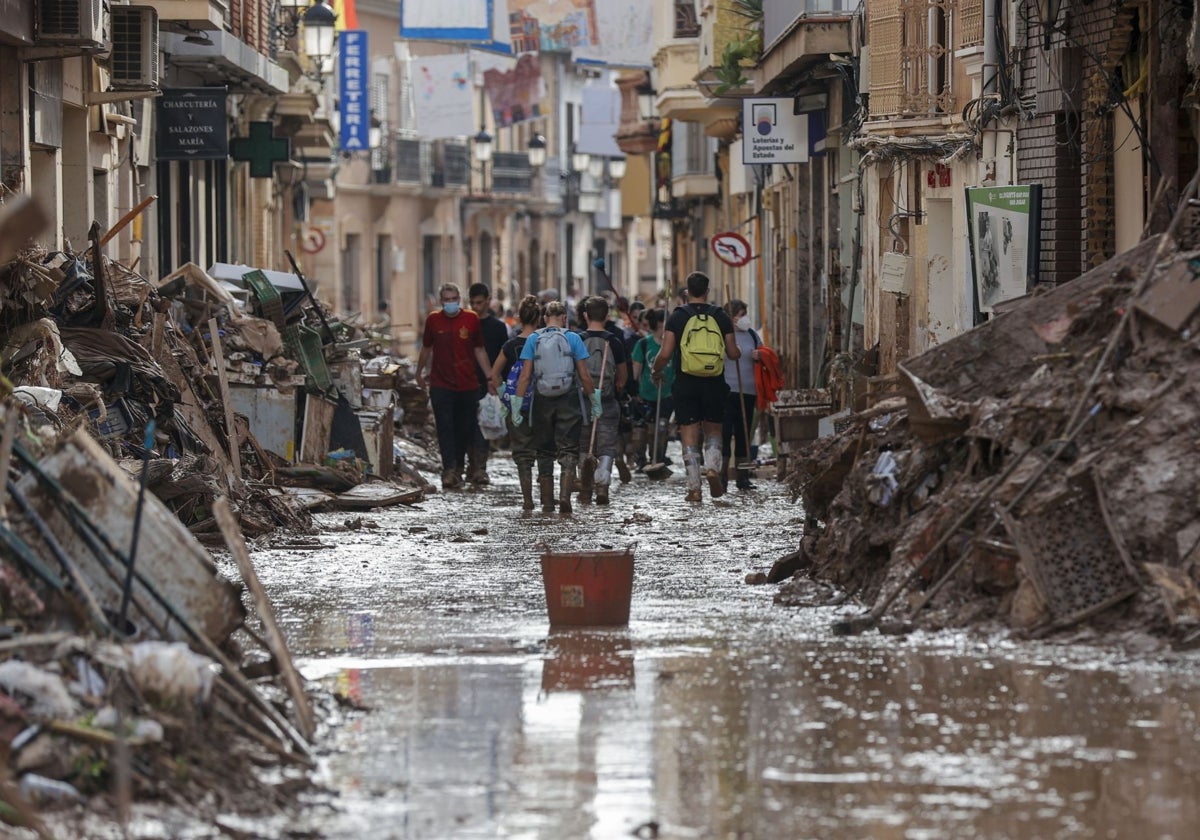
[679, 318]
[495, 333]
[512, 351]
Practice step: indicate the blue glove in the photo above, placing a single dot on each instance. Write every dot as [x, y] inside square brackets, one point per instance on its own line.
[515, 413]
[597, 408]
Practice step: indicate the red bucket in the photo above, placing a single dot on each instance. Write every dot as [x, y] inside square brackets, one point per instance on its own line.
[588, 588]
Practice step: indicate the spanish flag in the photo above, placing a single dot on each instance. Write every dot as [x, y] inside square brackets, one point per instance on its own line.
[347, 15]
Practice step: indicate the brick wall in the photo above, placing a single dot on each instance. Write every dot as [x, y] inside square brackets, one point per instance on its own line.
[1068, 147]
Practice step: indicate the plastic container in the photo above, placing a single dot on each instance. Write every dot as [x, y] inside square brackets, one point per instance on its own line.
[588, 588]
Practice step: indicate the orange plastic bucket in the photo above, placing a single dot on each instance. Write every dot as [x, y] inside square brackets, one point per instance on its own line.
[588, 588]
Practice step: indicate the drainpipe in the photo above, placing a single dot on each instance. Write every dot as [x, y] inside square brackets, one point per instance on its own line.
[991, 69]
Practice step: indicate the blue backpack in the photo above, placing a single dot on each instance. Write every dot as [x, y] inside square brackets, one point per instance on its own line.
[510, 388]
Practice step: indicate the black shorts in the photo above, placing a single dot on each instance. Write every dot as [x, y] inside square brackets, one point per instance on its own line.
[699, 399]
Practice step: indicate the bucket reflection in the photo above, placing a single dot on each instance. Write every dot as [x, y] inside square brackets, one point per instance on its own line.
[584, 660]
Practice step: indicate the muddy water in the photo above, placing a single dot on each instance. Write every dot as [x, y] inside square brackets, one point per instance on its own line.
[715, 714]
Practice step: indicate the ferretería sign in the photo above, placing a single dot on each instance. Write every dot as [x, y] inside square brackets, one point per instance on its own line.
[191, 124]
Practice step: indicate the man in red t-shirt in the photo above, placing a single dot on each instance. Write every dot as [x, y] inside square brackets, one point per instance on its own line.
[452, 349]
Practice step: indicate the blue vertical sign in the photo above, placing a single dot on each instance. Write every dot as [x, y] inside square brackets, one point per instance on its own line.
[354, 100]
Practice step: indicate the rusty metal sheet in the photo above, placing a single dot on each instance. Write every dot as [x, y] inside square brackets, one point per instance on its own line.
[174, 563]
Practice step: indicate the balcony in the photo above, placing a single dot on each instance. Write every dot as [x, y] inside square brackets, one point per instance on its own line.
[224, 59]
[430, 163]
[797, 35]
[511, 173]
[196, 14]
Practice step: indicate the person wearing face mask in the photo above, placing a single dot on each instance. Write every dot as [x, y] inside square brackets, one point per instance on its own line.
[452, 351]
[742, 393]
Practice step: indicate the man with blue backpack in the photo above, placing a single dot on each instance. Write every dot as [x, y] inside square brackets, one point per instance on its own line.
[698, 338]
[555, 367]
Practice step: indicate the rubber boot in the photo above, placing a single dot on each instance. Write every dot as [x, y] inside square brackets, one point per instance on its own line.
[623, 471]
[638, 438]
[725, 472]
[525, 475]
[604, 478]
[691, 464]
[743, 480]
[546, 489]
[477, 467]
[712, 466]
[566, 487]
[586, 480]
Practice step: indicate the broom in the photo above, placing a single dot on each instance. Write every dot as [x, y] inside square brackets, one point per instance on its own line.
[657, 471]
[589, 461]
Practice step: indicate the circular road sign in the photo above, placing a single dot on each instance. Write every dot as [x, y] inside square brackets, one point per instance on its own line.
[731, 248]
[313, 241]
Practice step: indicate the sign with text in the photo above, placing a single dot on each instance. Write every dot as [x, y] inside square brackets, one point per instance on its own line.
[354, 91]
[1005, 226]
[771, 133]
[191, 124]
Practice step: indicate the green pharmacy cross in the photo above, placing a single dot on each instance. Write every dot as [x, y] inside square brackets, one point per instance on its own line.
[262, 149]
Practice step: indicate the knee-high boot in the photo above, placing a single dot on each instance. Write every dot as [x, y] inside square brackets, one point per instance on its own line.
[525, 475]
[566, 486]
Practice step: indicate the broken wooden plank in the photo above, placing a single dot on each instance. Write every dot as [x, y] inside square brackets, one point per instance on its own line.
[235, 456]
[266, 613]
[371, 496]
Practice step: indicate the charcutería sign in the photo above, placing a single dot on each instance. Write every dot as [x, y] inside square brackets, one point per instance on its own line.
[192, 124]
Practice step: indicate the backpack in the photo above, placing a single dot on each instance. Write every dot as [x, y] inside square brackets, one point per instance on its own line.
[554, 368]
[596, 345]
[509, 396]
[702, 346]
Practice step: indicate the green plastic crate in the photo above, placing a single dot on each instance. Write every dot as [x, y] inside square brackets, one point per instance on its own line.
[305, 346]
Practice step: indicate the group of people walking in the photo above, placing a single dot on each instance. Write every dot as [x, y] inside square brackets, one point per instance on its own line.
[590, 399]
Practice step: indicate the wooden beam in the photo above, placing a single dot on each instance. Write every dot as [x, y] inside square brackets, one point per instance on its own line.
[218, 356]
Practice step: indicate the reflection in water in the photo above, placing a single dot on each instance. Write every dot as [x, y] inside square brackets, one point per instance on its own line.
[714, 714]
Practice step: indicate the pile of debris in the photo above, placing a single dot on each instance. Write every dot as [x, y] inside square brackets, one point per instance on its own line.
[1038, 471]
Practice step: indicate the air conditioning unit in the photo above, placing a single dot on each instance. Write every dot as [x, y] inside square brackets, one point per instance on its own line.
[134, 58]
[81, 23]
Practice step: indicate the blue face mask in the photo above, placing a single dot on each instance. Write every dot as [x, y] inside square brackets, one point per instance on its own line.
[452, 307]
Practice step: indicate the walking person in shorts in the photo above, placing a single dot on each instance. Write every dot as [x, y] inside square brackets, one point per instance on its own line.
[698, 338]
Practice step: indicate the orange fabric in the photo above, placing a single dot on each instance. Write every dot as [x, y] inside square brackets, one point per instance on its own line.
[768, 377]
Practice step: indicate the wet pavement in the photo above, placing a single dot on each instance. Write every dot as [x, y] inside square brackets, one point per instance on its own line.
[715, 714]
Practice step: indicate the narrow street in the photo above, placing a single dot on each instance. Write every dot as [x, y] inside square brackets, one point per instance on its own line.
[716, 714]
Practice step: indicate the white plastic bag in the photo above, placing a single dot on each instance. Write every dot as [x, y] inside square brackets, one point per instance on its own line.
[491, 418]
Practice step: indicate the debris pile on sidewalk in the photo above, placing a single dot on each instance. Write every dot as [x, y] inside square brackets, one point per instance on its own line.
[1039, 470]
[139, 420]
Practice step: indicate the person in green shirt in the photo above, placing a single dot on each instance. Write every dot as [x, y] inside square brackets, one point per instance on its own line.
[644, 354]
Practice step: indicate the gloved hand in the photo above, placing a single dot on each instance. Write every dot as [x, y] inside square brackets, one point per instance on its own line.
[516, 415]
[658, 377]
[597, 408]
[504, 412]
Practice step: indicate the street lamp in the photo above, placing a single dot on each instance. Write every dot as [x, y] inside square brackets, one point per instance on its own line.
[483, 145]
[537, 151]
[579, 160]
[616, 168]
[595, 167]
[319, 35]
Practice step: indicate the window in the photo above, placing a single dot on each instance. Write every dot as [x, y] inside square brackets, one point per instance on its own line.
[351, 267]
[430, 245]
[383, 271]
[687, 24]
[485, 259]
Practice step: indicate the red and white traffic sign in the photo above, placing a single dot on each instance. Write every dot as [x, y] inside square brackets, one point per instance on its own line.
[731, 248]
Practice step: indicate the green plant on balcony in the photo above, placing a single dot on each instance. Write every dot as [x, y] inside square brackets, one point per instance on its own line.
[743, 51]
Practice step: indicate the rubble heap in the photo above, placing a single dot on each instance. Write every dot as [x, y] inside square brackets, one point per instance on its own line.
[1038, 471]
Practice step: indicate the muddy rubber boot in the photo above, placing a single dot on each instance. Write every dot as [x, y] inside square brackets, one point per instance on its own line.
[546, 490]
[525, 476]
[743, 480]
[623, 471]
[477, 467]
[725, 473]
[691, 465]
[638, 441]
[604, 478]
[566, 487]
[449, 479]
[586, 482]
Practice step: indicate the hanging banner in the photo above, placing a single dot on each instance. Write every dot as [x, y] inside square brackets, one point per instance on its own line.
[191, 124]
[354, 100]
[447, 20]
[624, 30]
[599, 119]
[515, 95]
[553, 25]
[772, 133]
[1005, 227]
[443, 96]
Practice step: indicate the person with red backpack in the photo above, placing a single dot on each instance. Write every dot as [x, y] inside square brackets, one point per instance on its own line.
[697, 339]
[555, 368]
[606, 363]
[505, 374]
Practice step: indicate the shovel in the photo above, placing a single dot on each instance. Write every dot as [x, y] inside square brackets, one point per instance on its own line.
[589, 461]
[657, 471]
